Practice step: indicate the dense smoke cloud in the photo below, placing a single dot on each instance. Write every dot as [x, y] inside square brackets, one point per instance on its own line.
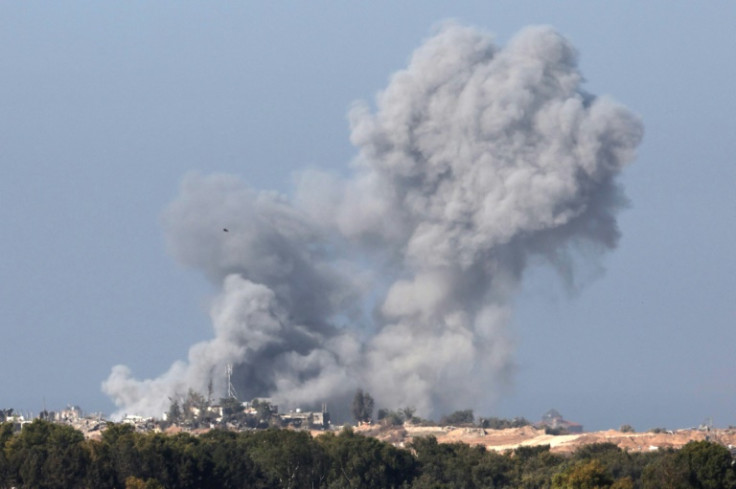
[475, 159]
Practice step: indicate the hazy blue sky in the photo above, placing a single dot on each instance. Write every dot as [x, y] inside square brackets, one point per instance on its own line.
[104, 106]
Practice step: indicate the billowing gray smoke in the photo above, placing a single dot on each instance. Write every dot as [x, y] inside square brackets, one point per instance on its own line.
[475, 159]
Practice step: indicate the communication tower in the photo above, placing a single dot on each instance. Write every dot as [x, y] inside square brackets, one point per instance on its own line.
[231, 394]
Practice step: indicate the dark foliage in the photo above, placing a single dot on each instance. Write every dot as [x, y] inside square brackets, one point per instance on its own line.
[50, 456]
[494, 423]
[362, 407]
[463, 417]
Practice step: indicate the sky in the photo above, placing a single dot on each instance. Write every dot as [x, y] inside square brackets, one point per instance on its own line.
[105, 107]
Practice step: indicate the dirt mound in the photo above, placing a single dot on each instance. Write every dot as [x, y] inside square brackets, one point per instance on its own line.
[509, 439]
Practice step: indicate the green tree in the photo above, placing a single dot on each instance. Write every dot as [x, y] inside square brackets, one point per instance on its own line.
[459, 417]
[288, 459]
[174, 461]
[6, 414]
[101, 472]
[623, 483]
[408, 413]
[6, 434]
[710, 465]
[362, 406]
[174, 414]
[138, 483]
[231, 408]
[619, 463]
[390, 418]
[457, 465]
[666, 472]
[495, 423]
[357, 461]
[48, 456]
[229, 454]
[194, 407]
[533, 467]
[264, 412]
[134, 483]
[120, 441]
[589, 474]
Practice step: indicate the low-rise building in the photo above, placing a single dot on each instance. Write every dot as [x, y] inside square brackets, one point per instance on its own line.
[553, 420]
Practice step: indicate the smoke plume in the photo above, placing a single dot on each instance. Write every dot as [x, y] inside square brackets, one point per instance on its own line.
[400, 279]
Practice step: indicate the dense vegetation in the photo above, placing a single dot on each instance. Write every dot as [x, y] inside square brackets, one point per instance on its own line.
[52, 456]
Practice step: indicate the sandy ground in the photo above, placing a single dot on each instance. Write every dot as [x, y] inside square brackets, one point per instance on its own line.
[501, 440]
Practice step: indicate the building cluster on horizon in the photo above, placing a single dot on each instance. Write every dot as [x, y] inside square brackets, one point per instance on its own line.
[72, 415]
[231, 414]
[195, 413]
[235, 414]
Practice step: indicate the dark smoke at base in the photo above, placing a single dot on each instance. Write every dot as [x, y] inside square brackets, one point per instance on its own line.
[476, 159]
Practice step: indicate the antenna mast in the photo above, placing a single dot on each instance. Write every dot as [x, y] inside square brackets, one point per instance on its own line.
[231, 394]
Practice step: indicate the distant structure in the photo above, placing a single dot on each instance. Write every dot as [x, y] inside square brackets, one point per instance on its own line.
[553, 420]
[70, 415]
[231, 394]
[9, 416]
[314, 420]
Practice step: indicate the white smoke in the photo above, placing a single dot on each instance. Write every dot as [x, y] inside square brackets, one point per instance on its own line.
[475, 159]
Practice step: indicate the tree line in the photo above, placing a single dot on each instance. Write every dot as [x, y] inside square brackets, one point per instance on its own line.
[363, 404]
[45, 455]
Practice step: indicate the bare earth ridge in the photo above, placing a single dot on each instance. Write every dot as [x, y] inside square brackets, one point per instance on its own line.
[509, 439]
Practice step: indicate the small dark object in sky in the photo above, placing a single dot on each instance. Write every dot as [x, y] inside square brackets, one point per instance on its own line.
[226, 230]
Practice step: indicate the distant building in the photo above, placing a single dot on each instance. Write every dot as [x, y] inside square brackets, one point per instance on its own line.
[274, 408]
[315, 420]
[134, 419]
[71, 414]
[552, 419]
[216, 411]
